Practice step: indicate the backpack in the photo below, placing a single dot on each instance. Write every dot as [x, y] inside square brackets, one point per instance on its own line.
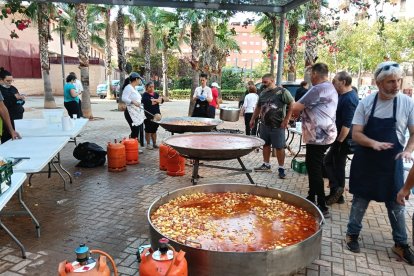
[90, 154]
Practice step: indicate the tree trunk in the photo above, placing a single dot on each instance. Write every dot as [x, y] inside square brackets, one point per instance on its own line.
[120, 44]
[108, 53]
[273, 47]
[147, 53]
[43, 31]
[83, 41]
[311, 50]
[293, 37]
[164, 72]
[195, 55]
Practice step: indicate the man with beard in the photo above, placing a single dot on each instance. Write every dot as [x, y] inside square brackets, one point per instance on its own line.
[272, 105]
[379, 125]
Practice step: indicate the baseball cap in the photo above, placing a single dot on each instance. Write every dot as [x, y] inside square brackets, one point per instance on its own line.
[135, 75]
[215, 84]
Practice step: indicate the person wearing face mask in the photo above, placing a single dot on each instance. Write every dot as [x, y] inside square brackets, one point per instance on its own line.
[11, 105]
[378, 127]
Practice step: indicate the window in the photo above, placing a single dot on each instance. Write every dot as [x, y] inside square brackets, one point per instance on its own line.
[257, 42]
[251, 51]
[244, 42]
[244, 34]
[251, 42]
[257, 52]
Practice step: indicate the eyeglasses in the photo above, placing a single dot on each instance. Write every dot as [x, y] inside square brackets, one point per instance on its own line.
[9, 81]
[386, 68]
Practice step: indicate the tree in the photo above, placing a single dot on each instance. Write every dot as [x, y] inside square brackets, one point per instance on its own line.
[83, 42]
[43, 30]
[144, 17]
[267, 26]
[120, 45]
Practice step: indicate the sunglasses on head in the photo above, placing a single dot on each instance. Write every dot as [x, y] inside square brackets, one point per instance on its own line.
[202, 91]
[387, 67]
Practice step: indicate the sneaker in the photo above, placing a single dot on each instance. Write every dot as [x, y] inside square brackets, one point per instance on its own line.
[149, 147]
[140, 151]
[352, 243]
[341, 200]
[404, 252]
[325, 211]
[263, 168]
[282, 173]
[155, 146]
[334, 196]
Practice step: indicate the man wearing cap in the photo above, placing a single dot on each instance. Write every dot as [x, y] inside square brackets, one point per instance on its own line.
[214, 103]
[379, 125]
[202, 97]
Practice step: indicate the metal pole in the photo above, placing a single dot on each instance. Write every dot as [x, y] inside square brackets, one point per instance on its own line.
[281, 50]
[62, 58]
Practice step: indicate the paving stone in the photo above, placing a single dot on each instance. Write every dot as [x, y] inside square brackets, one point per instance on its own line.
[107, 210]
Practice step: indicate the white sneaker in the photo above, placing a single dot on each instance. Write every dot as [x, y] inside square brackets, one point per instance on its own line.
[150, 147]
[140, 151]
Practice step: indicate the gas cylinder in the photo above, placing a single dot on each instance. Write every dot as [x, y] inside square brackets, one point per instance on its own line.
[131, 151]
[175, 163]
[163, 262]
[116, 157]
[85, 265]
[163, 156]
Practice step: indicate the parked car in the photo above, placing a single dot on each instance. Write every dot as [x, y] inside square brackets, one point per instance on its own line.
[366, 90]
[289, 85]
[101, 89]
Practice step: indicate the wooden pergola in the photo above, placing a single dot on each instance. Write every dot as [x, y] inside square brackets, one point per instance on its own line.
[280, 7]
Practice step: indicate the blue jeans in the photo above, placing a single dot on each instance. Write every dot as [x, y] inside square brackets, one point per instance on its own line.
[395, 215]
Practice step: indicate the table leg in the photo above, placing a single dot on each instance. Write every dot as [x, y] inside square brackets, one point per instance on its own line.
[63, 169]
[29, 212]
[300, 148]
[61, 175]
[195, 176]
[14, 239]
[244, 169]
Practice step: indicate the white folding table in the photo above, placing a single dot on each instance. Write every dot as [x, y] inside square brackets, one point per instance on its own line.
[17, 180]
[34, 153]
[51, 129]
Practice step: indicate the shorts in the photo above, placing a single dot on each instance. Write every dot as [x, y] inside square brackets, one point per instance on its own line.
[150, 126]
[273, 136]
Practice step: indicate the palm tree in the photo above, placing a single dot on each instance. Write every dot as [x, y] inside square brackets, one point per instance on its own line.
[120, 45]
[293, 31]
[108, 49]
[267, 26]
[83, 42]
[144, 18]
[41, 12]
[166, 35]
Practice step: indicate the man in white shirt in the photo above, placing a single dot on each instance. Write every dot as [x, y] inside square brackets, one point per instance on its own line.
[202, 97]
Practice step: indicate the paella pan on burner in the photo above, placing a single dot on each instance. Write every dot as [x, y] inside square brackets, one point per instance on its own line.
[188, 124]
[214, 146]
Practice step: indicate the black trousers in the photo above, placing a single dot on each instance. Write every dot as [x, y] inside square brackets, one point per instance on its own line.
[314, 165]
[335, 163]
[5, 136]
[247, 118]
[73, 107]
[135, 130]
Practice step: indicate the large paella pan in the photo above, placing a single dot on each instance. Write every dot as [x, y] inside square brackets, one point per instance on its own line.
[188, 124]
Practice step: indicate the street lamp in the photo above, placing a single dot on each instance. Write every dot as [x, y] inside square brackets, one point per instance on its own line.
[62, 57]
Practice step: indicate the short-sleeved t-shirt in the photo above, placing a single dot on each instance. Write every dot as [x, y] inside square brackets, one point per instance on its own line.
[319, 115]
[384, 109]
[280, 97]
[206, 91]
[347, 104]
[67, 97]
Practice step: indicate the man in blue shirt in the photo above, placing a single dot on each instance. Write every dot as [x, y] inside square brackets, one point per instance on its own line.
[335, 159]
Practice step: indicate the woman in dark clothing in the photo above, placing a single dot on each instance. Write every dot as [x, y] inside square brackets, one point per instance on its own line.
[151, 101]
[13, 100]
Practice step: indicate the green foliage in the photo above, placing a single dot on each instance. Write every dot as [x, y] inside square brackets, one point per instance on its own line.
[183, 83]
[231, 80]
[227, 94]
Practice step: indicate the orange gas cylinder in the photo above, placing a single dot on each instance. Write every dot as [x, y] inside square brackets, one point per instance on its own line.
[175, 163]
[116, 157]
[87, 266]
[163, 262]
[131, 151]
[163, 156]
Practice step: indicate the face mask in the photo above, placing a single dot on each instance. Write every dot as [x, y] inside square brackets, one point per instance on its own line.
[6, 85]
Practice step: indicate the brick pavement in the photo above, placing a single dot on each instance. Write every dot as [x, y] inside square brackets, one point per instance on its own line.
[107, 211]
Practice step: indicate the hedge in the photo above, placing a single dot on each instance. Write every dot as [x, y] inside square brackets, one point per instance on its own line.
[227, 94]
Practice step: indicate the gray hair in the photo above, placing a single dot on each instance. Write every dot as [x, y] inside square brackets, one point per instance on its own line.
[386, 69]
